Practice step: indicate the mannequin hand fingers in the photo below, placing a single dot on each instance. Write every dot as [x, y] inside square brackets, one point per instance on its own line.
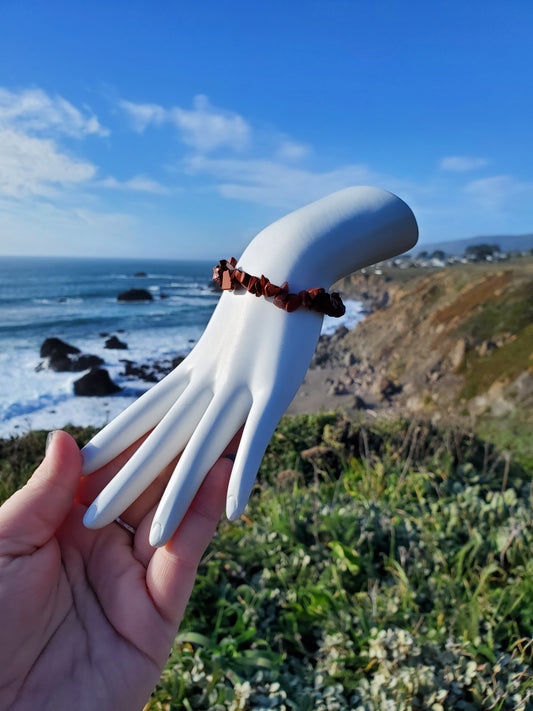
[256, 435]
[160, 448]
[138, 419]
[218, 426]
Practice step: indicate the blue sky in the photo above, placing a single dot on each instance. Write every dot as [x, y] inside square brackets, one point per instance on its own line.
[180, 129]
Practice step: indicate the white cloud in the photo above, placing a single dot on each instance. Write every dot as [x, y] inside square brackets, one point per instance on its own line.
[33, 110]
[31, 161]
[274, 183]
[501, 192]
[142, 115]
[204, 128]
[35, 166]
[139, 183]
[462, 164]
[290, 150]
[42, 227]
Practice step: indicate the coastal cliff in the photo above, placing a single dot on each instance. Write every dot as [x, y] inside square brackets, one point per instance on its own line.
[451, 345]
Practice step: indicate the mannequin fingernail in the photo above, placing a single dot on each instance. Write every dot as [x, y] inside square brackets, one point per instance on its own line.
[90, 515]
[231, 508]
[49, 440]
[155, 535]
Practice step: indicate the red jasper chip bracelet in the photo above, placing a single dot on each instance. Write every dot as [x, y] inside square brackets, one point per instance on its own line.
[229, 277]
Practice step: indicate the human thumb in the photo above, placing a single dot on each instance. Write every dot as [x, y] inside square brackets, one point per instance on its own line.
[34, 513]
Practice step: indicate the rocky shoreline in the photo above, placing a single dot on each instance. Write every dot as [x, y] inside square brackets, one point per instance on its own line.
[63, 357]
[452, 344]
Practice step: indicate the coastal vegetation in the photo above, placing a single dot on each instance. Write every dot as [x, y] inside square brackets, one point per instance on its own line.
[379, 565]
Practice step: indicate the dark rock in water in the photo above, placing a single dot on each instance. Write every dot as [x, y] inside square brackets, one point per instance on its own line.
[115, 343]
[139, 372]
[62, 357]
[55, 346]
[61, 363]
[164, 296]
[135, 295]
[104, 334]
[96, 383]
[150, 372]
[140, 274]
[85, 361]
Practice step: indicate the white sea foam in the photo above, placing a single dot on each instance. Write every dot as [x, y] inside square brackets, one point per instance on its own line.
[354, 314]
[32, 396]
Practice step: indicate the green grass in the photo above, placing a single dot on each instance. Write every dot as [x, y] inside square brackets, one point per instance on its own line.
[392, 570]
[508, 313]
[382, 565]
[505, 363]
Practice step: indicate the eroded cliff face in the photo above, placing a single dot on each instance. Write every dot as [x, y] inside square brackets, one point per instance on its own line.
[454, 342]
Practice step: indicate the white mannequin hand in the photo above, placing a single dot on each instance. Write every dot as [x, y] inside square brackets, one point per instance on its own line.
[249, 362]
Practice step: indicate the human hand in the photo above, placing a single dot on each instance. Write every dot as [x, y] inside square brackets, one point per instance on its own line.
[87, 618]
[248, 364]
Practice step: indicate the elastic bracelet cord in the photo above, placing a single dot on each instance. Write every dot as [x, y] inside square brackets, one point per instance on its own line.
[229, 277]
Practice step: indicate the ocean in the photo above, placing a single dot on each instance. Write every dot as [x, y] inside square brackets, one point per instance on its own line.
[76, 300]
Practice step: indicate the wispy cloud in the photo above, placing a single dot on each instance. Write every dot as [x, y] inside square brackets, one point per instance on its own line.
[32, 110]
[43, 227]
[204, 127]
[32, 163]
[139, 183]
[36, 166]
[142, 115]
[274, 183]
[256, 165]
[500, 192]
[291, 150]
[462, 164]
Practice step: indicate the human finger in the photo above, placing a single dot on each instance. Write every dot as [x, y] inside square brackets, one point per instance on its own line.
[34, 513]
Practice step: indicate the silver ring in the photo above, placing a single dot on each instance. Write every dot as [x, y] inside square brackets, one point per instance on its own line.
[125, 526]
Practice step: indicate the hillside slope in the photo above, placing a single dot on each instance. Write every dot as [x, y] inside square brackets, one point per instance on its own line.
[454, 344]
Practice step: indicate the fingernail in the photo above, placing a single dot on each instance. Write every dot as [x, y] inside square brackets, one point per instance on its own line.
[49, 440]
[230, 456]
[90, 515]
[155, 535]
[231, 508]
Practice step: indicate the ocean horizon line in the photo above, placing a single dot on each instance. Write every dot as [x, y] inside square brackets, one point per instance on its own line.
[78, 258]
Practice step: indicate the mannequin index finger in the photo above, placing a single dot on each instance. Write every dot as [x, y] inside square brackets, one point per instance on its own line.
[172, 571]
